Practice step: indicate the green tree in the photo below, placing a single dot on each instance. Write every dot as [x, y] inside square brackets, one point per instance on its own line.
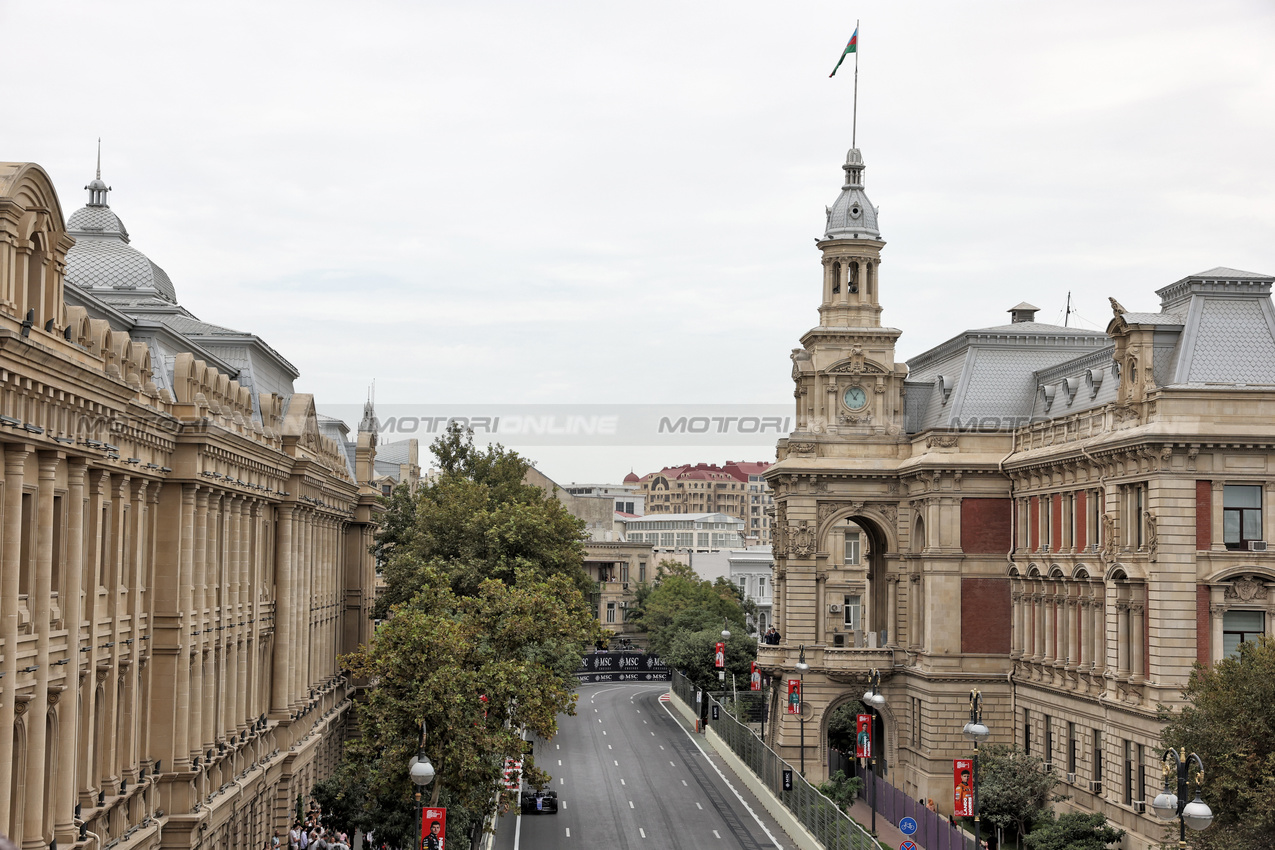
[478, 520]
[841, 789]
[1014, 789]
[484, 599]
[1074, 831]
[1228, 719]
[680, 602]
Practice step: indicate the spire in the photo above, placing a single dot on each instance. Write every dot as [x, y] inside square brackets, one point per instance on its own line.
[98, 189]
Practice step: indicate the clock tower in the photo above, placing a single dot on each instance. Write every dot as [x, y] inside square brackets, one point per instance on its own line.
[847, 380]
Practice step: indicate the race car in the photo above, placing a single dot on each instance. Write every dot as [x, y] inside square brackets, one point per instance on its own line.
[539, 802]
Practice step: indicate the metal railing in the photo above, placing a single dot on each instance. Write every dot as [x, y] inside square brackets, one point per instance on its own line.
[830, 826]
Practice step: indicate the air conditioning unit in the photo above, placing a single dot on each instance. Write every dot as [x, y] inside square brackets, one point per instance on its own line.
[623, 604]
[1095, 787]
[1139, 806]
[1094, 547]
[1071, 777]
[1257, 545]
[834, 608]
[1047, 766]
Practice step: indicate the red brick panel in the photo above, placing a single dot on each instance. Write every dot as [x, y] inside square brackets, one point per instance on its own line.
[1203, 628]
[985, 615]
[1204, 515]
[1056, 541]
[986, 525]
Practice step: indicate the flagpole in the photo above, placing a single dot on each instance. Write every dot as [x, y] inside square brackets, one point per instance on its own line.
[854, 125]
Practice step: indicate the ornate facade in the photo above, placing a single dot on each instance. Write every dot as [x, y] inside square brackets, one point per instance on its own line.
[1064, 519]
[184, 554]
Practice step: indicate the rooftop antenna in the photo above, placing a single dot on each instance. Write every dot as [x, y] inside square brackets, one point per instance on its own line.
[99, 157]
[1067, 314]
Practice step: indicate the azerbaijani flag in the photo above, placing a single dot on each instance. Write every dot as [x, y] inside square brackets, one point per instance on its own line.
[852, 46]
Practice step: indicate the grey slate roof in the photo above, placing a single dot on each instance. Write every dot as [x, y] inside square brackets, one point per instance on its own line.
[102, 257]
[852, 215]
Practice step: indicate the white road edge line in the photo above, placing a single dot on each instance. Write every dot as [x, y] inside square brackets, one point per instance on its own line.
[742, 801]
[641, 832]
[568, 832]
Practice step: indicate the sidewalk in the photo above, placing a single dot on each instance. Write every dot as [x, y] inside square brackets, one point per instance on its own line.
[887, 833]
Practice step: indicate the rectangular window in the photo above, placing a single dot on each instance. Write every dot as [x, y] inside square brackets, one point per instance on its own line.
[610, 612]
[1095, 521]
[1142, 771]
[1241, 515]
[1046, 514]
[666, 539]
[641, 570]
[1097, 755]
[1027, 732]
[1128, 773]
[1049, 738]
[26, 547]
[851, 612]
[685, 539]
[703, 540]
[1241, 626]
[1071, 747]
[624, 572]
[743, 585]
[761, 587]
[1139, 513]
[852, 548]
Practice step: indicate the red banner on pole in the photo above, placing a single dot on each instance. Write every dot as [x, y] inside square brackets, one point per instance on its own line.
[963, 784]
[863, 740]
[754, 678]
[720, 658]
[433, 829]
[794, 696]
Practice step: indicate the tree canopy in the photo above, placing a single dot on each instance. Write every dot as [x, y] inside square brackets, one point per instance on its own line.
[1074, 831]
[1015, 790]
[483, 600]
[1228, 720]
[683, 615]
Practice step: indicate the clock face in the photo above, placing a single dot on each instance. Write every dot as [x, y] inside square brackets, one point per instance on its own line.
[856, 398]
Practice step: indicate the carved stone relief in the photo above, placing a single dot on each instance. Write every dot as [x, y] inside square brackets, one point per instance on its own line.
[1246, 589]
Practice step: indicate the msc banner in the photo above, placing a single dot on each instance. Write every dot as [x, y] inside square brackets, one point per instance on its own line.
[621, 667]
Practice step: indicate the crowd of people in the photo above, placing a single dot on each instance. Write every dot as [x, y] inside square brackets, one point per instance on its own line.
[311, 834]
[771, 636]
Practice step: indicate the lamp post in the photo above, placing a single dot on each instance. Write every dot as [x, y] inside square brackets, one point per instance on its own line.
[802, 667]
[422, 773]
[875, 700]
[1167, 805]
[977, 731]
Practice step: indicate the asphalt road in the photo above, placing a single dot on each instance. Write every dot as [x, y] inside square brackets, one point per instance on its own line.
[628, 775]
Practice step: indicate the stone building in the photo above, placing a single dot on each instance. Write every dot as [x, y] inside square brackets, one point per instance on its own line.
[737, 488]
[1061, 518]
[184, 554]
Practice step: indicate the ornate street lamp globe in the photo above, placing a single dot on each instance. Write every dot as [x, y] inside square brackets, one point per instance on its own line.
[877, 701]
[1197, 813]
[422, 771]
[1166, 805]
[977, 731]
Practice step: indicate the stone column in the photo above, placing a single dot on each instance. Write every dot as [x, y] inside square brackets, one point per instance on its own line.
[229, 641]
[72, 613]
[182, 744]
[892, 606]
[1016, 620]
[1122, 639]
[1219, 520]
[281, 691]
[243, 605]
[34, 828]
[1086, 655]
[915, 636]
[1073, 631]
[15, 457]
[1136, 642]
[198, 624]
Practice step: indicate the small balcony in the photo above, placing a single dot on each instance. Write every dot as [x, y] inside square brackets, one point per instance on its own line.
[847, 666]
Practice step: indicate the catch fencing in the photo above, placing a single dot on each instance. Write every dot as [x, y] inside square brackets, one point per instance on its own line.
[830, 826]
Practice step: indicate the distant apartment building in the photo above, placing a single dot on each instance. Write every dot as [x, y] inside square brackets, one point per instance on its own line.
[625, 496]
[752, 570]
[735, 488]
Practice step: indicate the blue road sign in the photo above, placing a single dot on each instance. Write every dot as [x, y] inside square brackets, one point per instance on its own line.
[907, 826]
[908, 845]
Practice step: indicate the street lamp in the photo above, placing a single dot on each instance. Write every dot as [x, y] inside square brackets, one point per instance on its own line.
[422, 773]
[1167, 805]
[802, 667]
[977, 731]
[875, 700]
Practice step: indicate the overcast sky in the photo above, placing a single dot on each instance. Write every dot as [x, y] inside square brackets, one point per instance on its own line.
[556, 202]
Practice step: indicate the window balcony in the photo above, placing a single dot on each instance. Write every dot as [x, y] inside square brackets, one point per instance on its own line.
[848, 666]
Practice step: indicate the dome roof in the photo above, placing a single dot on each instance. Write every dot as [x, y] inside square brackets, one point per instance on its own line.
[631, 478]
[852, 215]
[102, 259]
